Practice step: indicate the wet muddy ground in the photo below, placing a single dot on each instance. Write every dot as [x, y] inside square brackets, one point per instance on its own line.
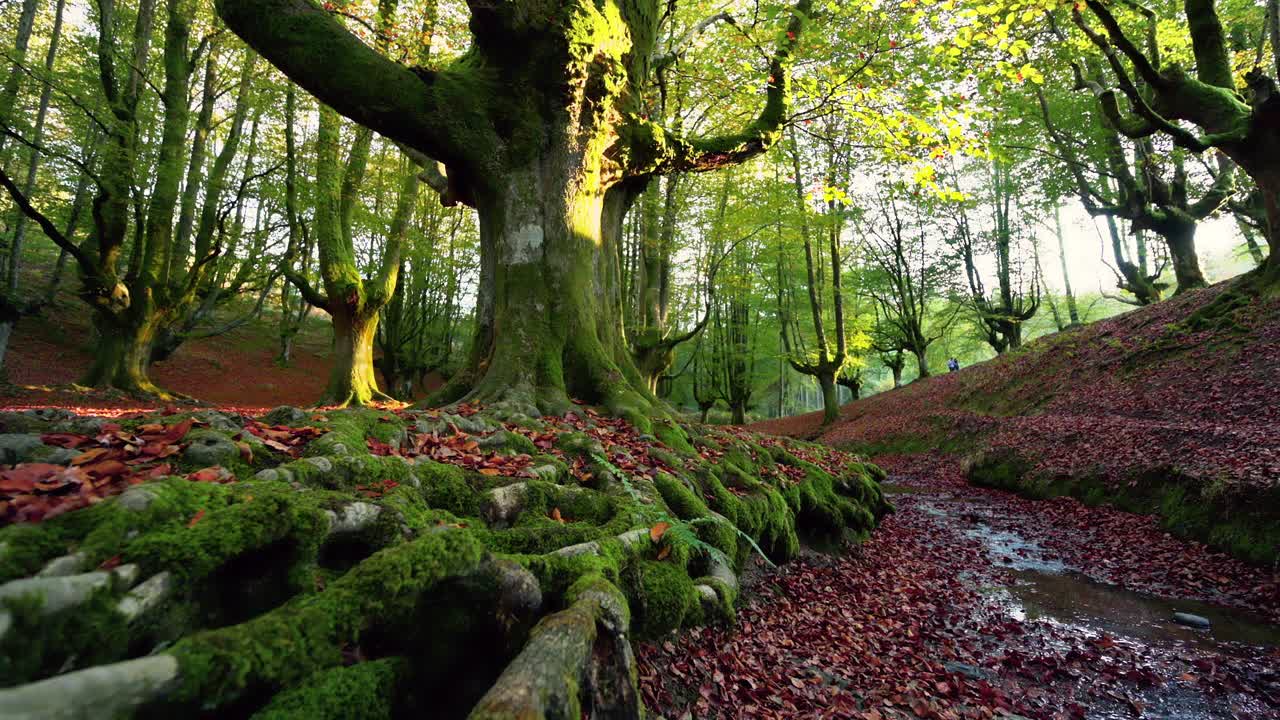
[971, 603]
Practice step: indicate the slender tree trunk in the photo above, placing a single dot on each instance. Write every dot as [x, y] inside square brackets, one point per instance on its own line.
[33, 166]
[22, 41]
[830, 397]
[1251, 242]
[1186, 265]
[922, 362]
[1073, 310]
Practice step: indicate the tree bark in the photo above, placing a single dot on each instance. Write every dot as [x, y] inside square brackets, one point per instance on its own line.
[922, 362]
[1181, 239]
[352, 380]
[535, 126]
[830, 397]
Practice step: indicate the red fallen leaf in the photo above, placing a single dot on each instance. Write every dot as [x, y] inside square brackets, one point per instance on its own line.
[169, 410]
[657, 531]
[198, 516]
[209, 474]
[555, 515]
[110, 563]
[664, 552]
[179, 431]
[246, 452]
[65, 440]
[105, 468]
[159, 471]
[490, 472]
[90, 455]
[276, 445]
[24, 477]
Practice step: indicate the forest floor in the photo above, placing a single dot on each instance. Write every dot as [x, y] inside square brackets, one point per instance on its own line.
[977, 603]
[968, 602]
[236, 371]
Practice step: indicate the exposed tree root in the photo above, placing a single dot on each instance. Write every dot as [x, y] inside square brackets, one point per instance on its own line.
[343, 578]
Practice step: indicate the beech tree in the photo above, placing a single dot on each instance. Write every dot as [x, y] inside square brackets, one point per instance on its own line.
[540, 127]
[1162, 96]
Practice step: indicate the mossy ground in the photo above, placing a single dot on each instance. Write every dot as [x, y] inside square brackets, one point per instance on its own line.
[331, 577]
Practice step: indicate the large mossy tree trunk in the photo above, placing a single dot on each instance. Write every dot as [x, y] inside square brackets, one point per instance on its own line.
[536, 126]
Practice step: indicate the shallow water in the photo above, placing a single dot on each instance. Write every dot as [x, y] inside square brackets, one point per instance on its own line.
[1044, 588]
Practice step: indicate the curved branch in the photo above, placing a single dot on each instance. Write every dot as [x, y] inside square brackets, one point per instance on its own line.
[653, 150]
[313, 48]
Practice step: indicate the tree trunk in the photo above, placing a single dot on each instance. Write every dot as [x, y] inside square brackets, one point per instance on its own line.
[546, 317]
[352, 380]
[33, 166]
[830, 397]
[1186, 265]
[923, 362]
[1073, 309]
[122, 353]
[739, 414]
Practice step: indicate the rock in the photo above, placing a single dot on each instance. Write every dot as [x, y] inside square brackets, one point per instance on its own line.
[137, 498]
[65, 565]
[473, 425]
[59, 593]
[218, 421]
[323, 464]
[1195, 621]
[546, 473]
[146, 596]
[210, 447]
[352, 518]
[60, 456]
[286, 415]
[970, 671]
[104, 691]
[19, 447]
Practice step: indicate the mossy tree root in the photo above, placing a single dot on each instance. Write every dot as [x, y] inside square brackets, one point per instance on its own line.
[397, 585]
[578, 663]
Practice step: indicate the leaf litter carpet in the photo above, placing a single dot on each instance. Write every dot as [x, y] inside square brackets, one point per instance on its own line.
[927, 620]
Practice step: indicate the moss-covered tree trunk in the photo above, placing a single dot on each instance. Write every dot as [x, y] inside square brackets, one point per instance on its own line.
[122, 352]
[352, 380]
[1181, 240]
[535, 125]
[352, 301]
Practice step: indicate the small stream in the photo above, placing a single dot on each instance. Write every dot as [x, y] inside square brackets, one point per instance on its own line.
[1041, 587]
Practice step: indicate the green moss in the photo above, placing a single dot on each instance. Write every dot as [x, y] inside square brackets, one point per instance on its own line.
[662, 595]
[39, 645]
[264, 515]
[366, 691]
[284, 646]
[517, 444]
[725, 596]
[446, 487]
[673, 436]
[681, 500]
[349, 429]
[24, 549]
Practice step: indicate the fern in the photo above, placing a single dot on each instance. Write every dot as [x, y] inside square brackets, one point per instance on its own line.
[750, 540]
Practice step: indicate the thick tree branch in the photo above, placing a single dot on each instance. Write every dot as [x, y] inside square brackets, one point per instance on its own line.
[86, 263]
[653, 150]
[316, 51]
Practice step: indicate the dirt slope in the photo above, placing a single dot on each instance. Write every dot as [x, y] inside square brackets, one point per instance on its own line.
[236, 370]
[1146, 410]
